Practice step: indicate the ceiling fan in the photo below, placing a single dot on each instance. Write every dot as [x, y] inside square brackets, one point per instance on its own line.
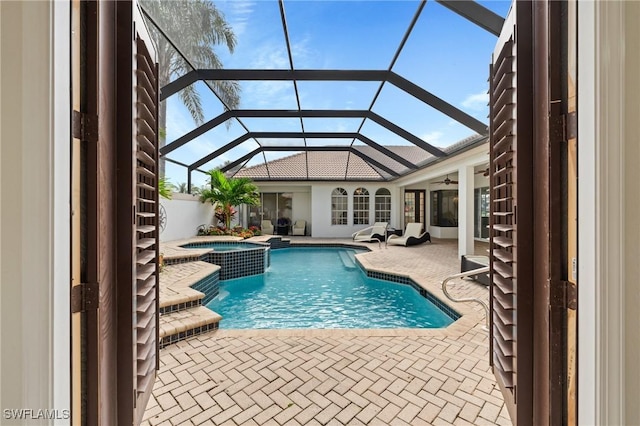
[447, 181]
[484, 172]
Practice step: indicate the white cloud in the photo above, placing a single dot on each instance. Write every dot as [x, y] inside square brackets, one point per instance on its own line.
[433, 138]
[270, 56]
[238, 14]
[200, 148]
[303, 55]
[179, 121]
[268, 94]
[476, 102]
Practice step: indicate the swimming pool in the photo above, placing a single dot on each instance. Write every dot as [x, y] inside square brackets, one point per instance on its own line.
[321, 288]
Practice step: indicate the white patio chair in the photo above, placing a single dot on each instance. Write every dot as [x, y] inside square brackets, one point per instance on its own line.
[377, 232]
[298, 227]
[267, 227]
[412, 235]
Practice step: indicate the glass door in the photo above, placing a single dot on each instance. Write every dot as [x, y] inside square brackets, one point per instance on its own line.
[481, 213]
[276, 207]
[414, 206]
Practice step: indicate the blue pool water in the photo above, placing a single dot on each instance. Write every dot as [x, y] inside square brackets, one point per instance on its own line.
[321, 288]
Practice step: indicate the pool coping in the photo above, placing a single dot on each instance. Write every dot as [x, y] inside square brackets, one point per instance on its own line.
[468, 318]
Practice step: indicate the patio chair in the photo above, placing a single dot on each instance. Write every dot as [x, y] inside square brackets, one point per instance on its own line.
[377, 232]
[267, 227]
[411, 237]
[282, 226]
[298, 227]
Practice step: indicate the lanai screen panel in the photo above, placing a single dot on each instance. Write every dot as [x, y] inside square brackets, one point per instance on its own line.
[453, 65]
[325, 95]
[318, 31]
[401, 56]
[331, 124]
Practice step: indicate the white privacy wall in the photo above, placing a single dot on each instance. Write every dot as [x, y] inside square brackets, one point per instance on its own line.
[321, 208]
[185, 213]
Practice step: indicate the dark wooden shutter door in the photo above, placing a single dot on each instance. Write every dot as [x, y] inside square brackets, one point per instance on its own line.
[510, 244]
[503, 291]
[118, 216]
[147, 230]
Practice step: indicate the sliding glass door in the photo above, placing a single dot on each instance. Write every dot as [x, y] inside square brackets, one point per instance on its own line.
[275, 207]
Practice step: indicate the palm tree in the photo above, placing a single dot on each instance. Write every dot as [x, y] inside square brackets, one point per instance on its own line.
[229, 192]
[196, 27]
[165, 188]
[182, 189]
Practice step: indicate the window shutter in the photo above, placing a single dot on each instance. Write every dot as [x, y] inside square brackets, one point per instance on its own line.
[503, 291]
[147, 228]
[510, 250]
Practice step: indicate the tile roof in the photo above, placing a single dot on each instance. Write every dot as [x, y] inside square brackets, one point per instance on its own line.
[342, 165]
[323, 165]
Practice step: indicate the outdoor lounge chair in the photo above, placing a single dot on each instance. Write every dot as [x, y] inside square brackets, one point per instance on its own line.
[267, 227]
[377, 232]
[282, 226]
[411, 236]
[298, 227]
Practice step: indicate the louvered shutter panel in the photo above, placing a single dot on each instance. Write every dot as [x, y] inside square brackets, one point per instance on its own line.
[503, 235]
[510, 252]
[147, 227]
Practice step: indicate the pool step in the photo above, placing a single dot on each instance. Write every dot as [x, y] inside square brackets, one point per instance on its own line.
[176, 281]
[180, 325]
[221, 295]
[277, 242]
[348, 259]
[181, 306]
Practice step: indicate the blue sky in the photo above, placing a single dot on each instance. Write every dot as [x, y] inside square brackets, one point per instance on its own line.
[445, 54]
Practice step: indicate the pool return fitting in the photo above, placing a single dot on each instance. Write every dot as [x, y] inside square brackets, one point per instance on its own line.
[468, 299]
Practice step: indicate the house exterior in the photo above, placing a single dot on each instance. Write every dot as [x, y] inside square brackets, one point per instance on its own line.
[369, 196]
[39, 236]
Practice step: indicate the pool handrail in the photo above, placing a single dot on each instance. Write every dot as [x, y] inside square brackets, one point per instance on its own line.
[468, 299]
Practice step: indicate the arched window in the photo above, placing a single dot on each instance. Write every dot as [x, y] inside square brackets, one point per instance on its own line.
[339, 206]
[360, 207]
[383, 205]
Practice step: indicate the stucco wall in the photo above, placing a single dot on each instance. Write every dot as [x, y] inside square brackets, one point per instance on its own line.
[184, 214]
[321, 207]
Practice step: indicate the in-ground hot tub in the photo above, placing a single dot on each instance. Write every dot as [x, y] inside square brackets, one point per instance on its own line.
[235, 258]
[469, 263]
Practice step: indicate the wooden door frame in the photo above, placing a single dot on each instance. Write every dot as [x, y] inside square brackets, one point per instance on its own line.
[77, 319]
[550, 257]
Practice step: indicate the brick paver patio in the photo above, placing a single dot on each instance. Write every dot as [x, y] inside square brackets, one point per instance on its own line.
[340, 377]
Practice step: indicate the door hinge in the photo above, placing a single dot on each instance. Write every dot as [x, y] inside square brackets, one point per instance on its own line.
[84, 297]
[84, 126]
[570, 295]
[570, 125]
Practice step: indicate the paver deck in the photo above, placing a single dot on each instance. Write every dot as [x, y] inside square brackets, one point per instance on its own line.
[340, 377]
